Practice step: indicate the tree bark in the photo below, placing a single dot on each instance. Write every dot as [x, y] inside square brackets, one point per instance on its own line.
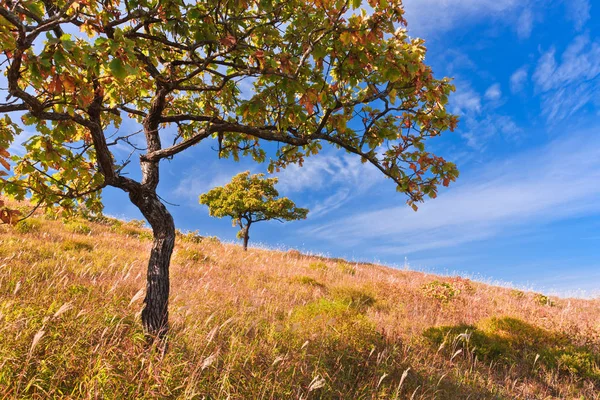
[246, 236]
[155, 315]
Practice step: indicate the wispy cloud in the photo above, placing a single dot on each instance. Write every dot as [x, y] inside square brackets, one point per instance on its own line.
[481, 121]
[578, 11]
[518, 79]
[570, 83]
[429, 17]
[536, 187]
[493, 93]
[335, 178]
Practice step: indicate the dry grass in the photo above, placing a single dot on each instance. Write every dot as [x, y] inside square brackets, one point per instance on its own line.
[273, 325]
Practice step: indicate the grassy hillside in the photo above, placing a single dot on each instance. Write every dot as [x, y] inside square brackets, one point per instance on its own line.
[273, 325]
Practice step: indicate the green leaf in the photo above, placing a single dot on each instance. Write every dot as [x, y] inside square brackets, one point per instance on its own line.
[118, 68]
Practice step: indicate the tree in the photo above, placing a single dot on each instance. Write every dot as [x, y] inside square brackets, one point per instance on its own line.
[248, 199]
[321, 71]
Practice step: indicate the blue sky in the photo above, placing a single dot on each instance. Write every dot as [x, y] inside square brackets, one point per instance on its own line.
[526, 208]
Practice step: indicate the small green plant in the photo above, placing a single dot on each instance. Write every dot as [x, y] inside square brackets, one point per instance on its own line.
[77, 226]
[189, 254]
[77, 245]
[318, 266]
[358, 299]
[29, 225]
[307, 280]
[346, 268]
[190, 237]
[543, 300]
[442, 291]
[133, 229]
[519, 294]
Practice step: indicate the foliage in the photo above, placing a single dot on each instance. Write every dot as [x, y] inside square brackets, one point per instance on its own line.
[190, 237]
[248, 199]
[318, 266]
[513, 341]
[314, 66]
[28, 226]
[346, 268]
[77, 226]
[543, 300]
[442, 291]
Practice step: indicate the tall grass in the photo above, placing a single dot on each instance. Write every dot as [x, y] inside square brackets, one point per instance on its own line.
[265, 324]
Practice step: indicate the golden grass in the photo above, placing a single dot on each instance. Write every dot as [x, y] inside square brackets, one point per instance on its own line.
[265, 324]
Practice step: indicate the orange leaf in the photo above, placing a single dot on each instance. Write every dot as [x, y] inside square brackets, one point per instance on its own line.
[4, 153]
[4, 163]
[228, 40]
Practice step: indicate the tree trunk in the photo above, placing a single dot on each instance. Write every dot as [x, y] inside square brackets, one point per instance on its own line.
[155, 315]
[246, 237]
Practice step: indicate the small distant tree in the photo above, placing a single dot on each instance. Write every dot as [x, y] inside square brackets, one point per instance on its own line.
[248, 199]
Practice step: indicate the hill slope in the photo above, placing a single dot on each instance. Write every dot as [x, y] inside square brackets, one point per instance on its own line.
[273, 325]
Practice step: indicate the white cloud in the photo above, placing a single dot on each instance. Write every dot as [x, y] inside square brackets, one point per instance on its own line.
[200, 180]
[465, 100]
[479, 120]
[341, 176]
[493, 92]
[428, 17]
[525, 23]
[326, 170]
[541, 186]
[578, 11]
[571, 83]
[518, 80]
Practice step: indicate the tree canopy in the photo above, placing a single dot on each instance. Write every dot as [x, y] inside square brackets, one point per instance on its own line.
[240, 73]
[248, 199]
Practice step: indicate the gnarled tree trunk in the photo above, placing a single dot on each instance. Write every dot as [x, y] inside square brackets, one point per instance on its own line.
[155, 315]
[246, 235]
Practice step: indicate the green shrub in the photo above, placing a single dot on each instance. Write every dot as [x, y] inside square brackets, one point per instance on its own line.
[318, 266]
[76, 245]
[133, 229]
[307, 280]
[543, 300]
[442, 291]
[194, 255]
[76, 226]
[346, 268]
[358, 299]
[515, 342]
[28, 225]
[190, 237]
[333, 323]
[519, 294]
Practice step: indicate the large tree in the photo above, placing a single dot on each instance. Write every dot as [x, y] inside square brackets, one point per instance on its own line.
[300, 73]
[248, 199]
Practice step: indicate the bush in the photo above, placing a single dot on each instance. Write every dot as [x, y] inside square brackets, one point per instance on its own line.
[346, 268]
[76, 226]
[28, 225]
[442, 291]
[307, 280]
[515, 342]
[76, 245]
[190, 237]
[333, 323]
[132, 229]
[318, 266]
[543, 300]
[191, 255]
[358, 299]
